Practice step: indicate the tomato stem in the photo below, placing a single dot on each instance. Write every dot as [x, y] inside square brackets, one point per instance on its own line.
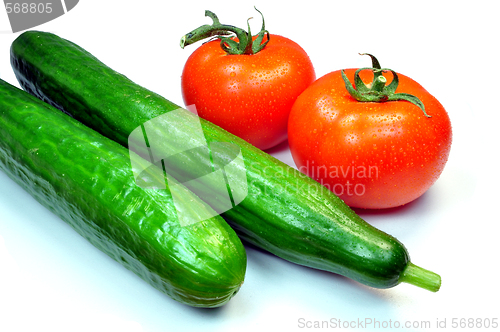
[226, 33]
[420, 277]
[378, 91]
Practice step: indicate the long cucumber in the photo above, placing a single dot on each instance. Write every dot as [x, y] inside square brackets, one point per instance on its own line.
[87, 180]
[284, 212]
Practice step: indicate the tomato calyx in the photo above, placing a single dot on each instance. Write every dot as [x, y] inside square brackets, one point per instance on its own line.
[378, 91]
[245, 43]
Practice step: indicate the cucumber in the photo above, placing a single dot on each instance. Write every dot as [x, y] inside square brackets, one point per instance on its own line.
[285, 212]
[86, 179]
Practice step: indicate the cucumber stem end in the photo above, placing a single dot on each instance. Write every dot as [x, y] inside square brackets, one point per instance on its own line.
[421, 277]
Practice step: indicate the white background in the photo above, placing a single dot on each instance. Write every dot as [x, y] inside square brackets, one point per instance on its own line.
[51, 279]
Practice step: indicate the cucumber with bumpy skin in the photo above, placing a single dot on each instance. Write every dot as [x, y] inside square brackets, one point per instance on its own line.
[285, 212]
[87, 180]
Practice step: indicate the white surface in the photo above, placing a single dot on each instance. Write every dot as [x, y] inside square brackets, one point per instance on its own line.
[51, 279]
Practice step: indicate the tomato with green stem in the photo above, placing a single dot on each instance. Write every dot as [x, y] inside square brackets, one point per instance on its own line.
[376, 145]
[245, 84]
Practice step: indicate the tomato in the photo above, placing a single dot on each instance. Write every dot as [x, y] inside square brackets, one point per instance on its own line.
[370, 154]
[249, 95]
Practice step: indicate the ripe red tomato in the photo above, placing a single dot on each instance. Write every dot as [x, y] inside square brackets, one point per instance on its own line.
[370, 154]
[248, 95]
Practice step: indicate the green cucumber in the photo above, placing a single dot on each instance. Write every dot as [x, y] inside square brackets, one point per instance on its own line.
[87, 180]
[285, 212]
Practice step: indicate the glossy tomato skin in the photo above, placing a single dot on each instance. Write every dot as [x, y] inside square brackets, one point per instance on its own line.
[248, 95]
[372, 155]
